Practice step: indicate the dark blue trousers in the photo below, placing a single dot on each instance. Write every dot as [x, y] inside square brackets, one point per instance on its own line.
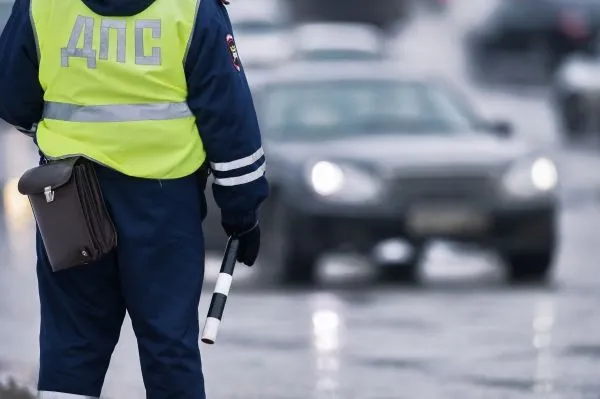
[155, 275]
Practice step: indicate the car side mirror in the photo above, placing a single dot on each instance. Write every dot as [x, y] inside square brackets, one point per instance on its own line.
[501, 128]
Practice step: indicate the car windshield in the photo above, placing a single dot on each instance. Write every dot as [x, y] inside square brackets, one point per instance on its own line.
[5, 10]
[323, 110]
[338, 55]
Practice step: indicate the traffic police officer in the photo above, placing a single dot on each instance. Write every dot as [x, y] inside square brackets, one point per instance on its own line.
[150, 90]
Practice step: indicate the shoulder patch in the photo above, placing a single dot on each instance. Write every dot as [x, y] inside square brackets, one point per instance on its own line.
[233, 52]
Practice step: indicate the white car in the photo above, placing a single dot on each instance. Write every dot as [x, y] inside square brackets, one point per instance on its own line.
[336, 41]
[260, 30]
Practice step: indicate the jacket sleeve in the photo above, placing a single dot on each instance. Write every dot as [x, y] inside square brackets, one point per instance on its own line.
[21, 95]
[219, 97]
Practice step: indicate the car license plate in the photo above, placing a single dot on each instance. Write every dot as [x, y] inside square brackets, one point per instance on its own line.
[446, 220]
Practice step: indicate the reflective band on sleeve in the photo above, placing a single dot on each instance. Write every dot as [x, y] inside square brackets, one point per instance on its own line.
[238, 163]
[115, 112]
[243, 179]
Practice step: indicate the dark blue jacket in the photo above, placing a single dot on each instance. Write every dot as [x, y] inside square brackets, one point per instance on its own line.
[218, 95]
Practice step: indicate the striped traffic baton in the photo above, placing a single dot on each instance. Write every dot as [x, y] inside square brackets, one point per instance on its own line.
[219, 296]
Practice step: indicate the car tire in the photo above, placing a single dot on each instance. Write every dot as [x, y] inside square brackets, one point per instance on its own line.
[529, 266]
[407, 272]
[283, 262]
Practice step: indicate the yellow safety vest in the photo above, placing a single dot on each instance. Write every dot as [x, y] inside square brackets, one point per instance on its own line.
[115, 89]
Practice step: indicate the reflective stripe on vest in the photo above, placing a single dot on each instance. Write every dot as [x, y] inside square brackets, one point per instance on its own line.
[115, 112]
[238, 163]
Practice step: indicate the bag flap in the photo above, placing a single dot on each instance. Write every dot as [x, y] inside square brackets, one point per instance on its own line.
[53, 175]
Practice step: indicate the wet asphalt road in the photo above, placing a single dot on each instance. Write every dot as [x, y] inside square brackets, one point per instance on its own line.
[463, 334]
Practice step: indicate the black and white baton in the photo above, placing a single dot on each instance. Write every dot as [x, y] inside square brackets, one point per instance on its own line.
[219, 296]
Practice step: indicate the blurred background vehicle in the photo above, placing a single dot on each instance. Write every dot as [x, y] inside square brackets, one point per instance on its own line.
[384, 160]
[329, 41]
[384, 14]
[576, 94]
[527, 40]
[5, 9]
[261, 32]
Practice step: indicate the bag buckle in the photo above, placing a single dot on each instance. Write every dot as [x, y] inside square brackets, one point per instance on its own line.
[49, 194]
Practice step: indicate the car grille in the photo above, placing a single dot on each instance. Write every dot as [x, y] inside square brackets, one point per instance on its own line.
[464, 189]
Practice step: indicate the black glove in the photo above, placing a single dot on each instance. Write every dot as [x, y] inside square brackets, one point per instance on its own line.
[249, 242]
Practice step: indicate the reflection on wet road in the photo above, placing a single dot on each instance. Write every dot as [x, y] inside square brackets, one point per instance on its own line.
[458, 337]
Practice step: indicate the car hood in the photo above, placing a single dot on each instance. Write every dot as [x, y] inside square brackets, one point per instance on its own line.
[390, 152]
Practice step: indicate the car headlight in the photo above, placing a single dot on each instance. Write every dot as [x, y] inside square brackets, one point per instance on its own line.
[343, 183]
[531, 178]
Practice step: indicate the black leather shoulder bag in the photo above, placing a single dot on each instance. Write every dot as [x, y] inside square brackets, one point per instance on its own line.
[70, 212]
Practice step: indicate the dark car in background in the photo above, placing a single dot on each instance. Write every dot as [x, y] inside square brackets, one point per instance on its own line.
[526, 40]
[370, 160]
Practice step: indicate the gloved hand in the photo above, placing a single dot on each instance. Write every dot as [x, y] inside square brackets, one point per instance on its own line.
[249, 242]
